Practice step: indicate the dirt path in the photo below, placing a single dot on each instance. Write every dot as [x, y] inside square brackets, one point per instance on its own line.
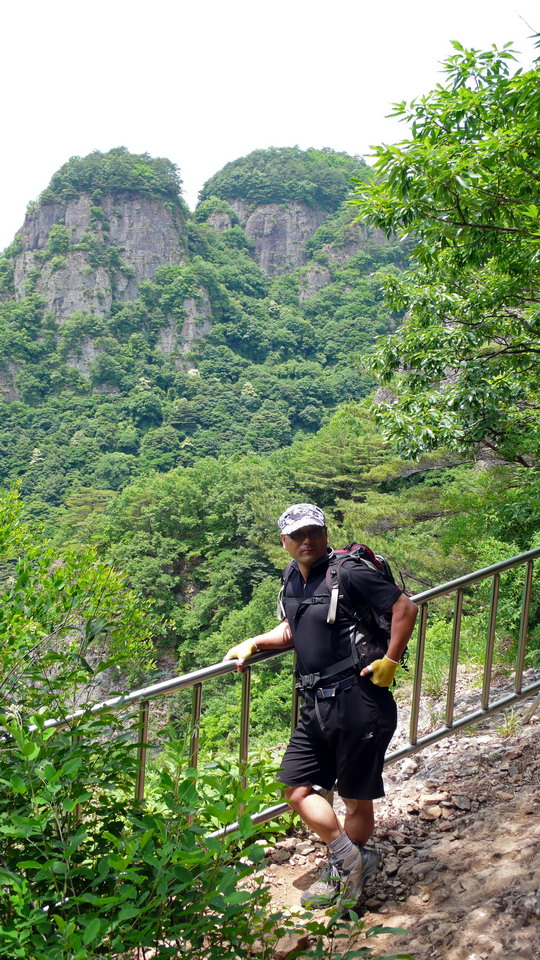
[459, 839]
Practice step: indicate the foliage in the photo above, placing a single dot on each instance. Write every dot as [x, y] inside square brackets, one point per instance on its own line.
[88, 873]
[318, 178]
[464, 366]
[268, 371]
[117, 170]
[177, 465]
[212, 205]
[62, 612]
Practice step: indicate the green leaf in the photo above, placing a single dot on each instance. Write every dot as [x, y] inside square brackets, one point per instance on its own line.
[31, 750]
[129, 911]
[91, 930]
[17, 784]
[246, 825]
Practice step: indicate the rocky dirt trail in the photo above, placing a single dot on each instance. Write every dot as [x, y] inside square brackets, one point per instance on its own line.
[459, 838]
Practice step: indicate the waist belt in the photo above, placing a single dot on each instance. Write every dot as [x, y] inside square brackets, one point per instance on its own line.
[315, 695]
[321, 693]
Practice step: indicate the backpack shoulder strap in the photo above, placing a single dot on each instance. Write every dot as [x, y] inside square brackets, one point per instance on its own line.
[332, 582]
[285, 577]
[338, 590]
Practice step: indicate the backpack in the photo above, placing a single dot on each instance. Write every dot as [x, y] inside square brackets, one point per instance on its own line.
[365, 618]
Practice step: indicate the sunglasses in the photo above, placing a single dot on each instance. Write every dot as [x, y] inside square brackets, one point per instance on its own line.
[299, 535]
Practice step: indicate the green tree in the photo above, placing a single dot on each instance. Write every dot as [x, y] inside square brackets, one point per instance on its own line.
[318, 178]
[118, 169]
[64, 615]
[465, 365]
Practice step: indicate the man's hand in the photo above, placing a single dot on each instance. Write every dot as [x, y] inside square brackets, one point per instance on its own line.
[381, 671]
[242, 651]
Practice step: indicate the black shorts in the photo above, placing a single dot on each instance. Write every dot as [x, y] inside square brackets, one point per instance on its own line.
[359, 723]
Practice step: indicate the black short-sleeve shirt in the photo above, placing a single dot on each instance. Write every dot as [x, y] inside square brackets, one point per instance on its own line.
[317, 643]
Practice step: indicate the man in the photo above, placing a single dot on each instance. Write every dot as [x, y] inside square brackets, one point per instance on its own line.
[349, 716]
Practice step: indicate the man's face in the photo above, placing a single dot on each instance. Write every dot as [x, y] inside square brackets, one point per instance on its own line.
[306, 545]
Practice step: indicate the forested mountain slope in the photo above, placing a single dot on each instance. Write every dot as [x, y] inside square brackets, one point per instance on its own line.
[171, 383]
[172, 428]
[136, 337]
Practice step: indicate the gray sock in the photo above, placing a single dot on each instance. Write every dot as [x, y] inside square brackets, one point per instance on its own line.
[340, 847]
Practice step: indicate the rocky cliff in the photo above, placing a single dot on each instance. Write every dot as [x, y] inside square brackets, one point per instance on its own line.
[280, 232]
[84, 257]
[281, 235]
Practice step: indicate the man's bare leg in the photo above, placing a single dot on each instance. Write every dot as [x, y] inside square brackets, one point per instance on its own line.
[347, 868]
[319, 816]
[315, 811]
[359, 820]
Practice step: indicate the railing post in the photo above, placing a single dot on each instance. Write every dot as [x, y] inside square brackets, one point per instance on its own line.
[244, 725]
[490, 645]
[142, 734]
[195, 725]
[419, 665]
[454, 659]
[524, 626]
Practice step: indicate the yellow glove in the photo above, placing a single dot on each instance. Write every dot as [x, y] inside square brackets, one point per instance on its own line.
[242, 651]
[382, 671]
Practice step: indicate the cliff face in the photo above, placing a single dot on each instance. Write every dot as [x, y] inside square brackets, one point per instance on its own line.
[96, 255]
[279, 232]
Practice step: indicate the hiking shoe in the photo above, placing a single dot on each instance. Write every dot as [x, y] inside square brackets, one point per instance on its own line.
[358, 866]
[325, 890]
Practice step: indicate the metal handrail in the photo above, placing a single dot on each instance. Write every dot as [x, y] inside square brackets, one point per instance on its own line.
[196, 679]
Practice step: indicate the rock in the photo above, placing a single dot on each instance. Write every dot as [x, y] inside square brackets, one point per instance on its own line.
[289, 843]
[427, 799]
[409, 766]
[142, 231]
[431, 811]
[279, 232]
[305, 847]
[530, 907]
[315, 277]
[391, 866]
[418, 870]
[406, 851]
[373, 903]
[290, 943]
[462, 803]
[280, 855]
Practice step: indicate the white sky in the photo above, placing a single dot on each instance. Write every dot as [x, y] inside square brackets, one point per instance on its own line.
[208, 81]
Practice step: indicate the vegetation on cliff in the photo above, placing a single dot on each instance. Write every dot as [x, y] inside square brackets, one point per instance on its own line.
[116, 170]
[317, 178]
[102, 399]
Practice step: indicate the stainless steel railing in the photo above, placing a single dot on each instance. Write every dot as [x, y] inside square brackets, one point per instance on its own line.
[196, 680]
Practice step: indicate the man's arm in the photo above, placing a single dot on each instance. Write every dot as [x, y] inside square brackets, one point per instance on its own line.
[404, 613]
[279, 638]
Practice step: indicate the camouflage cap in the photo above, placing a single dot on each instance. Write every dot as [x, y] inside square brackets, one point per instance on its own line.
[300, 515]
